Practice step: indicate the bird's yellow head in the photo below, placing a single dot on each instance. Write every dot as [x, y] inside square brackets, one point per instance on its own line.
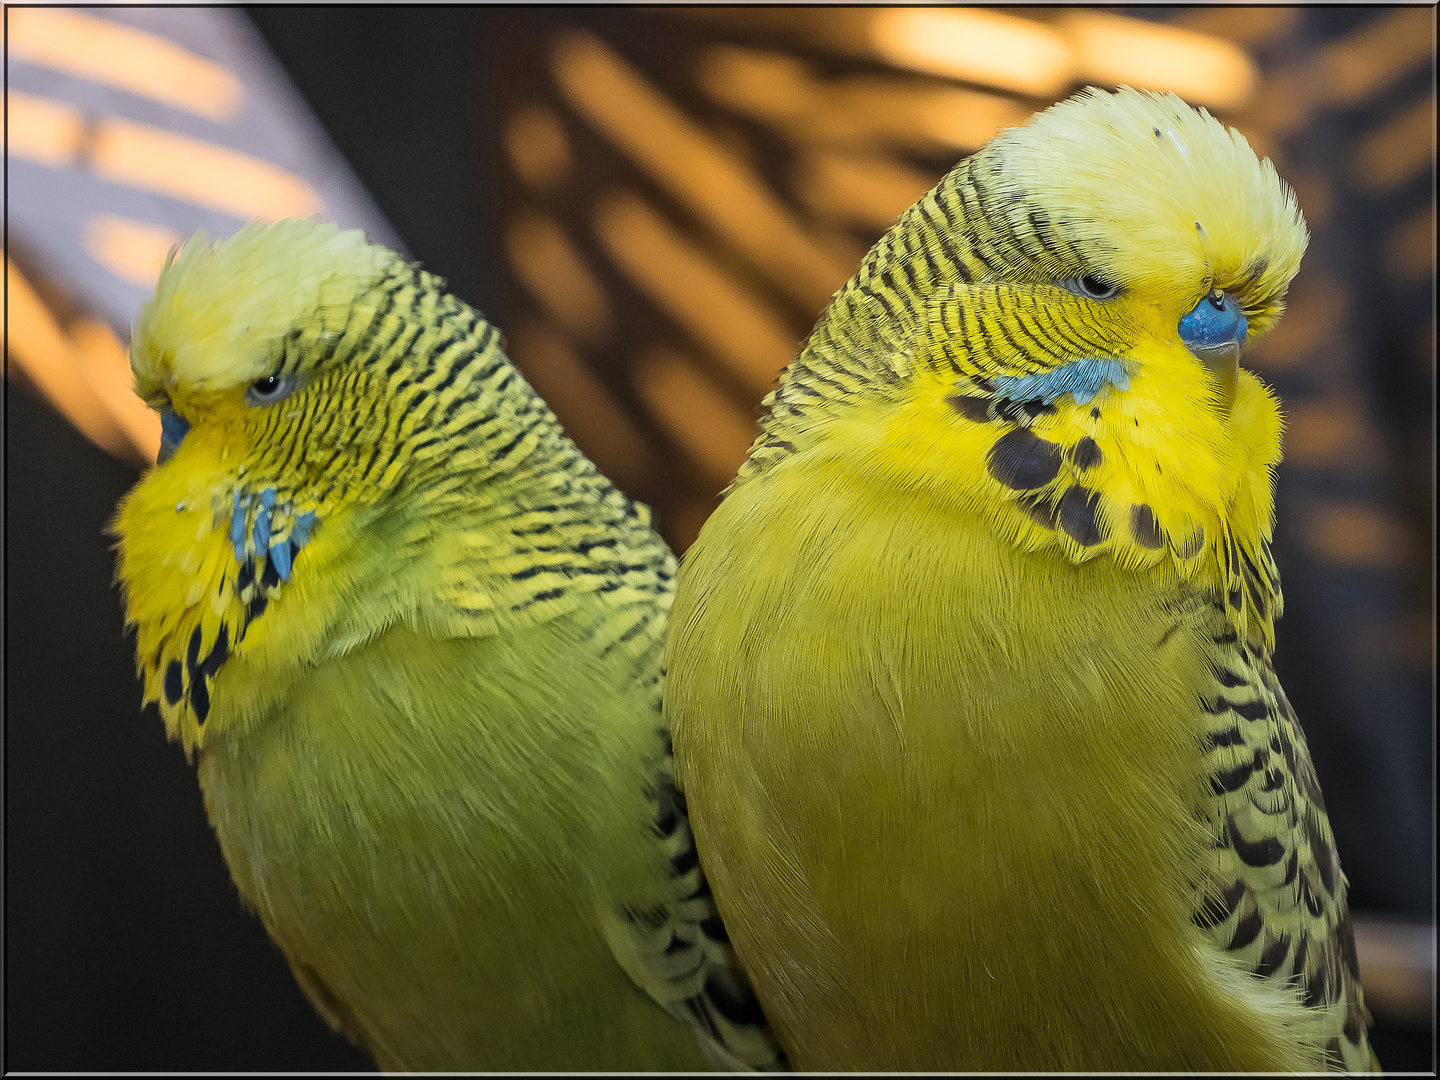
[1050, 339]
[304, 377]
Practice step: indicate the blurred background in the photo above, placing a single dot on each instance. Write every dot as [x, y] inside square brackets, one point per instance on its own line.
[654, 204]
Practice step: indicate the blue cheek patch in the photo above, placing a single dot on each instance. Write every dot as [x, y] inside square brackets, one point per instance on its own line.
[280, 559]
[1081, 379]
[279, 553]
[1209, 325]
[237, 528]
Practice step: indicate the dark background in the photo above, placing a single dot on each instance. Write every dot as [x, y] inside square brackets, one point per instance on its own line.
[126, 947]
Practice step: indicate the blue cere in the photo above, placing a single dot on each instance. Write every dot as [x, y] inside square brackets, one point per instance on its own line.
[173, 427]
[1081, 379]
[1215, 320]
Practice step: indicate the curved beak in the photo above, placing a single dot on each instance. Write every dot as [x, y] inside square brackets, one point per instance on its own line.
[173, 427]
[1213, 331]
[1223, 361]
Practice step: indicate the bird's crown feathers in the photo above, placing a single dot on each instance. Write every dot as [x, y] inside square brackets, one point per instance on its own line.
[219, 310]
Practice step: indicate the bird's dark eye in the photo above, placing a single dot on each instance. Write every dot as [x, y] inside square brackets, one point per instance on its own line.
[1091, 287]
[1097, 288]
[270, 389]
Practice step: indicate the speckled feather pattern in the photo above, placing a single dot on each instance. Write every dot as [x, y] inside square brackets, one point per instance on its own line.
[969, 675]
[413, 637]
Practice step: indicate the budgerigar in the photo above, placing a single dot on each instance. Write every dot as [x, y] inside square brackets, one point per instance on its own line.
[413, 638]
[970, 673]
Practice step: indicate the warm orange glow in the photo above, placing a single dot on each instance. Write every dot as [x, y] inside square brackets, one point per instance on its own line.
[1393, 154]
[1376, 55]
[198, 172]
[41, 130]
[767, 85]
[858, 110]
[1330, 433]
[696, 413]
[1397, 958]
[556, 274]
[57, 368]
[105, 364]
[134, 251]
[126, 58]
[961, 119]
[723, 315]
[859, 189]
[591, 414]
[1355, 534]
[695, 168]
[975, 45]
[1246, 25]
[538, 147]
[1115, 50]
[1315, 310]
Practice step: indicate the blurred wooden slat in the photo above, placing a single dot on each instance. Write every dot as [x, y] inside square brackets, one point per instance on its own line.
[50, 360]
[1113, 50]
[1398, 150]
[1354, 534]
[857, 110]
[556, 274]
[1378, 54]
[1410, 249]
[590, 413]
[737, 326]
[696, 413]
[1315, 310]
[1249, 26]
[538, 149]
[1397, 967]
[869, 190]
[694, 167]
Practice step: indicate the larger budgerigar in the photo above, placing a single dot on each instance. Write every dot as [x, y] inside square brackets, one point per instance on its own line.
[970, 673]
[413, 638]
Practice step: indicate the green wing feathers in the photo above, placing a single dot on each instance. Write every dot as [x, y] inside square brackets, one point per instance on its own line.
[1277, 899]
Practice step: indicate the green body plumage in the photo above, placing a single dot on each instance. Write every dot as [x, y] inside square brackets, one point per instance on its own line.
[414, 637]
[969, 674]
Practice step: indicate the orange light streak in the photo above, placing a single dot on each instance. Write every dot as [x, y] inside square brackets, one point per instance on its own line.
[780, 90]
[556, 274]
[134, 251]
[696, 413]
[538, 147]
[65, 373]
[43, 131]
[976, 45]
[695, 168]
[126, 58]
[723, 315]
[1365, 62]
[859, 189]
[198, 172]
[1116, 50]
[1388, 157]
[590, 413]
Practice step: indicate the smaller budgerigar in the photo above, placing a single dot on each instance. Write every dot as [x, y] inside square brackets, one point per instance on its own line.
[970, 673]
[412, 638]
